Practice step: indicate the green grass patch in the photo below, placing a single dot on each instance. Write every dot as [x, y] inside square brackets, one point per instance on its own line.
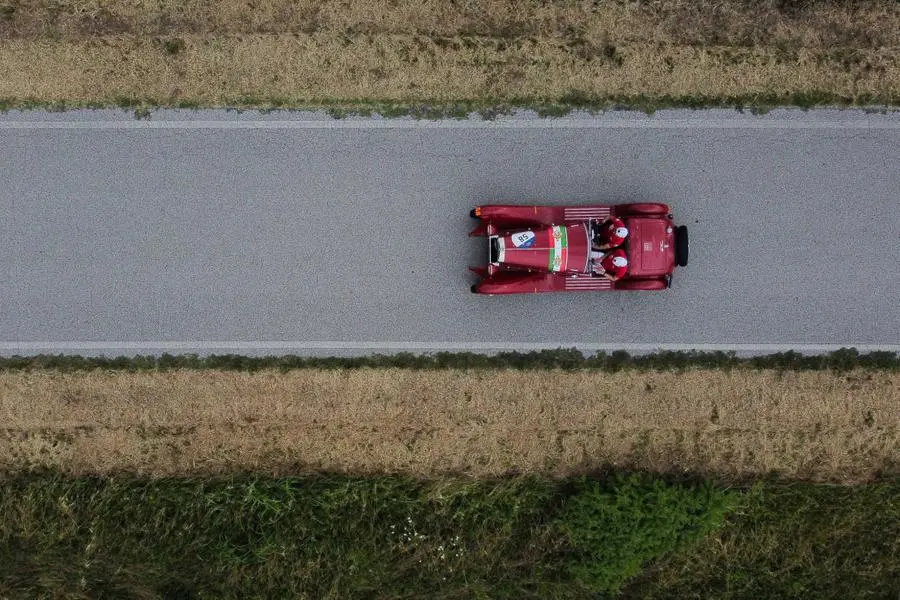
[614, 530]
[803, 541]
[386, 537]
[842, 360]
[324, 537]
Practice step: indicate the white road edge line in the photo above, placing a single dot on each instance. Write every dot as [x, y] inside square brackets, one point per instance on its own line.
[561, 123]
[13, 347]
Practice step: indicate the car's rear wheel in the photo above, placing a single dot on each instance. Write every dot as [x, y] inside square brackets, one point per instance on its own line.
[474, 288]
[681, 246]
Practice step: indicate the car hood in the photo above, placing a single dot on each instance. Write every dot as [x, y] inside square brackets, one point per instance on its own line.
[651, 246]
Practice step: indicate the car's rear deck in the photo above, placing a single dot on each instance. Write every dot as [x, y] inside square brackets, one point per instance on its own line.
[552, 249]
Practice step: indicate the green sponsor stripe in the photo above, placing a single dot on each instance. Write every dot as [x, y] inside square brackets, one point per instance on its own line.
[558, 244]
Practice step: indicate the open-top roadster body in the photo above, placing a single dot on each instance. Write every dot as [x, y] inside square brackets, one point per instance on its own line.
[535, 249]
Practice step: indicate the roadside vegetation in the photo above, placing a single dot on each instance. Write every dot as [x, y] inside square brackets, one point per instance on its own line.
[432, 57]
[556, 414]
[845, 359]
[539, 475]
[336, 537]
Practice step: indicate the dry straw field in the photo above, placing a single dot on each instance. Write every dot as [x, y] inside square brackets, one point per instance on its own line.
[817, 426]
[379, 52]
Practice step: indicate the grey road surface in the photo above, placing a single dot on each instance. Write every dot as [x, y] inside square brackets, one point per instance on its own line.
[284, 233]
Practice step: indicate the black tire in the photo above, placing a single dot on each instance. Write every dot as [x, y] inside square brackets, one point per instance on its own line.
[474, 288]
[473, 215]
[681, 246]
[495, 250]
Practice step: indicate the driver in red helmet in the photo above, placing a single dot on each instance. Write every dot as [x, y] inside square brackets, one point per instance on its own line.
[610, 234]
[612, 265]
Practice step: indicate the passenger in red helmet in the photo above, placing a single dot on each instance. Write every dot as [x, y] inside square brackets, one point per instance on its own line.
[610, 234]
[613, 265]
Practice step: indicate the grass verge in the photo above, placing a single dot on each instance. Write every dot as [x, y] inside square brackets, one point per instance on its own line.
[432, 58]
[338, 537]
[732, 424]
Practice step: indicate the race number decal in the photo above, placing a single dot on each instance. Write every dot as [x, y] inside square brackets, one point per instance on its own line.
[524, 239]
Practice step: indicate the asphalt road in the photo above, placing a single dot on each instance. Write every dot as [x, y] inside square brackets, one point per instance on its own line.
[224, 232]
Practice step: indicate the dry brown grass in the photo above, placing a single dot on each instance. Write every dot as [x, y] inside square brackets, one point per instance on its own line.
[317, 51]
[809, 425]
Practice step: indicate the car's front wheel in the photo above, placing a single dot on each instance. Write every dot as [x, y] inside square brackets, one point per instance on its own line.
[642, 209]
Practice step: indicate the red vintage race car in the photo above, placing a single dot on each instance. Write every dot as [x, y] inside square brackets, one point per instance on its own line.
[535, 249]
